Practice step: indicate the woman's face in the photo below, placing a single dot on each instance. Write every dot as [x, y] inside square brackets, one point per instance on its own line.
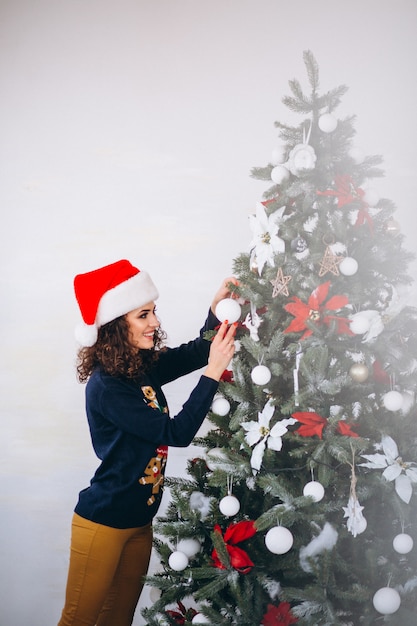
[142, 324]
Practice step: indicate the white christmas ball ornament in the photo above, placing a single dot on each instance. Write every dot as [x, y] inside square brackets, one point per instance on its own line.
[190, 547]
[200, 619]
[154, 594]
[387, 600]
[280, 174]
[359, 324]
[357, 155]
[214, 457]
[278, 155]
[403, 543]
[261, 375]
[349, 266]
[229, 505]
[279, 540]
[371, 197]
[327, 123]
[228, 309]
[315, 490]
[178, 561]
[392, 401]
[220, 406]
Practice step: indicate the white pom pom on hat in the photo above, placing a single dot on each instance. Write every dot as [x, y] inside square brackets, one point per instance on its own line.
[107, 293]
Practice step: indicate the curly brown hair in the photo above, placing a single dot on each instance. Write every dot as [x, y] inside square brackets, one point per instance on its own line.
[115, 354]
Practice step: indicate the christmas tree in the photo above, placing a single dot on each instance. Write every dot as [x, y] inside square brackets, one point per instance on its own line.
[302, 507]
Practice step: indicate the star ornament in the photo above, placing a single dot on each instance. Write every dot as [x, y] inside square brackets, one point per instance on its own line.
[280, 284]
[330, 263]
[317, 310]
[265, 241]
[356, 522]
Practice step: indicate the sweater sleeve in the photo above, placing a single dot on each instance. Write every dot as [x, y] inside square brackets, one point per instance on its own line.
[188, 357]
[123, 407]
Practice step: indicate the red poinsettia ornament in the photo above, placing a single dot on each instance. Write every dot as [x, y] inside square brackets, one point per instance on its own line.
[314, 424]
[183, 615]
[346, 193]
[317, 311]
[235, 533]
[278, 615]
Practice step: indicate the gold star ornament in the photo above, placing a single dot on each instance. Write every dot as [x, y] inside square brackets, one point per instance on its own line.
[280, 284]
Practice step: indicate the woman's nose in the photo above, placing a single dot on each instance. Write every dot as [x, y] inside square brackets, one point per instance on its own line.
[153, 321]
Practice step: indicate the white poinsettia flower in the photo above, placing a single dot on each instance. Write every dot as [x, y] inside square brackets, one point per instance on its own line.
[265, 241]
[402, 472]
[259, 434]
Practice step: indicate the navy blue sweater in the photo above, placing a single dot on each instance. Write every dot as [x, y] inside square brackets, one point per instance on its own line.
[131, 430]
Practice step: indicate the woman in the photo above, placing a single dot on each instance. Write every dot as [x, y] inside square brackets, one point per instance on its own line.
[125, 364]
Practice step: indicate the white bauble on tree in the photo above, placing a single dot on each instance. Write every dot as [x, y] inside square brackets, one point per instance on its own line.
[386, 600]
[278, 155]
[359, 324]
[327, 123]
[280, 174]
[228, 309]
[154, 594]
[229, 505]
[314, 489]
[189, 546]
[214, 457]
[359, 372]
[357, 155]
[392, 400]
[261, 375]
[178, 561]
[403, 543]
[371, 197]
[220, 406]
[200, 619]
[349, 266]
[279, 540]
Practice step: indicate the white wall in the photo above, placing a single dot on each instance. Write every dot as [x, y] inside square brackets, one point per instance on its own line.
[128, 129]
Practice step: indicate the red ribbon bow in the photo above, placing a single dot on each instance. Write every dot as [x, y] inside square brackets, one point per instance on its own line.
[235, 533]
[313, 424]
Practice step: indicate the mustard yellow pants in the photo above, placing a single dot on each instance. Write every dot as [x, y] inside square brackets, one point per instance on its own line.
[105, 576]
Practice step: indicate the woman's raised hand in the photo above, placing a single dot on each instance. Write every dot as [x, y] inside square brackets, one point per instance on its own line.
[222, 350]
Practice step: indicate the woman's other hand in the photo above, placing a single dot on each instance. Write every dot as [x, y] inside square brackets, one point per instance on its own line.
[224, 292]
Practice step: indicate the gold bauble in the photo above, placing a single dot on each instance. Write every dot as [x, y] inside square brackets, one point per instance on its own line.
[359, 372]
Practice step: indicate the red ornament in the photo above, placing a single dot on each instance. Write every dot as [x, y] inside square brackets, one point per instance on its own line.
[235, 533]
[278, 615]
[344, 429]
[347, 193]
[316, 311]
[227, 376]
[314, 424]
[182, 615]
[380, 374]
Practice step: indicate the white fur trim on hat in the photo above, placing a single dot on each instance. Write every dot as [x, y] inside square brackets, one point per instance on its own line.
[125, 297]
[86, 334]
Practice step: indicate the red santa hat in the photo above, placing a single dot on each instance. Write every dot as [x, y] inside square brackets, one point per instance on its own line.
[107, 293]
